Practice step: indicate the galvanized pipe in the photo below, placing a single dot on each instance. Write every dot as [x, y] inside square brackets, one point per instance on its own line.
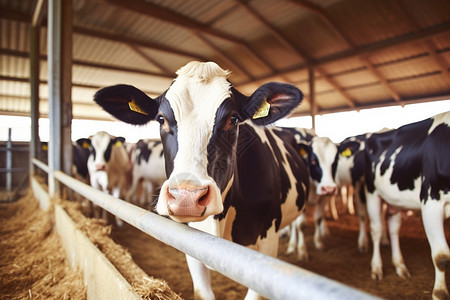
[9, 165]
[40, 164]
[269, 276]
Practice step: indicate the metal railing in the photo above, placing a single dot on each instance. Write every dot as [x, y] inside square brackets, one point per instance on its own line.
[269, 276]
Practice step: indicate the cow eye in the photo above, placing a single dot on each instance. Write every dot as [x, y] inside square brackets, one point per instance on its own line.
[234, 120]
[160, 120]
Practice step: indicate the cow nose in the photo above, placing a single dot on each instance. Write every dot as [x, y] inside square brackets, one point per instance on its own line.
[328, 190]
[100, 167]
[188, 201]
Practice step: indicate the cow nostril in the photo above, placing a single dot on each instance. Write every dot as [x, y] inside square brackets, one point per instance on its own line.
[203, 198]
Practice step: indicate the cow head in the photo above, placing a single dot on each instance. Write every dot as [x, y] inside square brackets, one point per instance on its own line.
[100, 145]
[199, 116]
[348, 166]
[319, 154]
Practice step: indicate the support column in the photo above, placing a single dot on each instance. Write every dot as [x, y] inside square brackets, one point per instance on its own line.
[59, 83]
[312, 97]
[34, 93]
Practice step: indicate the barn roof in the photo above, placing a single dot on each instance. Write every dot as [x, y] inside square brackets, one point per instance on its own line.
[362, 53]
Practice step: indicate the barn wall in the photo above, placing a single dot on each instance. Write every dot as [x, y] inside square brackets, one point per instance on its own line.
[20, 159]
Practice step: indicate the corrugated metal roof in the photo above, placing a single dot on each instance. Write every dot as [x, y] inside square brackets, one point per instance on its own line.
[364, 53]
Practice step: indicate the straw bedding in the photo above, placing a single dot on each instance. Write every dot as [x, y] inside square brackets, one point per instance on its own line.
[33, 262]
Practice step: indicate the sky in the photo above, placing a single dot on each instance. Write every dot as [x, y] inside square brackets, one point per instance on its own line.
[337, 126]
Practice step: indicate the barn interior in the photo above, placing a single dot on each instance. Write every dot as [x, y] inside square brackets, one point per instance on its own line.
[344, 55]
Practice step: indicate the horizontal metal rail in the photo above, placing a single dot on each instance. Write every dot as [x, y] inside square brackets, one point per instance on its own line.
[13, 170]
[269, 276]
[40, 164]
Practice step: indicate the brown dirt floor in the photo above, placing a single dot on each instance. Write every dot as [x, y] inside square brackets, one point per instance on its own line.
[340, 261]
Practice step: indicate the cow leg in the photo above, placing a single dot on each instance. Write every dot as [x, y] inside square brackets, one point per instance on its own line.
[384, 236]
[374, 210]
[319, 220]
[130, 194]
[433, 217]
[116, 194]
[292, 244]
[394, 223]
[201, 279]
[297, 239]
[361, 211]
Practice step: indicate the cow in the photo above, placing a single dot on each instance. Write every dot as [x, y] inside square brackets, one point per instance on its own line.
[148, 169]
[319, 154]
[409, 168]
[81, 153]
[228, 174]
[109, 165]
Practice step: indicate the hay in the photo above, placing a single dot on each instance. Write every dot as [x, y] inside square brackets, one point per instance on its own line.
[99, 234]
[32, 261]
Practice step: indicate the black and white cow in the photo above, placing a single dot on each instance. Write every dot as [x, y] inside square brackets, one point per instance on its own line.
[109, 165]
[227, 174]
[410, 168]
[148, 170]
[319, 154]
[348, 171]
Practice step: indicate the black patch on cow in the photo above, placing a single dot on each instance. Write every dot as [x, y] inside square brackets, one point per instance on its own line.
[168, 138]
[80, 158]
[436, 163]
[409, 140]
[145, 151]
[260, 186]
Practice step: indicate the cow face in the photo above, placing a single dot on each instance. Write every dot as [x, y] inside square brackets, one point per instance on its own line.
[101, 145]
[348, 167]
[199, 116]
[321, 158]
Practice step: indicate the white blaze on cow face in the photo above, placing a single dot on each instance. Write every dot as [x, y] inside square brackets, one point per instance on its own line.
[325, 151]
[100, 143]
[190, 194]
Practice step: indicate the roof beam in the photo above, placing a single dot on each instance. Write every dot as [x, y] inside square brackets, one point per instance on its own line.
[133, 41]
[148, 58]
[319, 11]
[284, 40]
[169, 16]
[429, 44]
[78, 62]
[224, 55]
[423, 34]
[38, 13]
[172, 17]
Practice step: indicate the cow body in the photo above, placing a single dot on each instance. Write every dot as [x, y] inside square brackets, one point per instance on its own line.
[227, 175]
[410, 168]
[108, 165]
[148, 169]
[318, 154]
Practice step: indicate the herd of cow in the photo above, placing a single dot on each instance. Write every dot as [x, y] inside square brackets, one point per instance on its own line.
[222, 170]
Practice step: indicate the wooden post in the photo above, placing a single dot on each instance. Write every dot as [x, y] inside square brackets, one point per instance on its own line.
[312, 97]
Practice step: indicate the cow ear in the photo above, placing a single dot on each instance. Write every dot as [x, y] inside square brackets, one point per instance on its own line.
[271, 102]
[118, 141]
[84, 143]
[304, 150]
[127, 103]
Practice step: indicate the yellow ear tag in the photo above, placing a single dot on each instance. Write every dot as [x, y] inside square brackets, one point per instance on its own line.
[263, 110]
[303, 152]
[347, 152]
[134, 107]
[118, 144]
[85, 145]
[45, 147]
